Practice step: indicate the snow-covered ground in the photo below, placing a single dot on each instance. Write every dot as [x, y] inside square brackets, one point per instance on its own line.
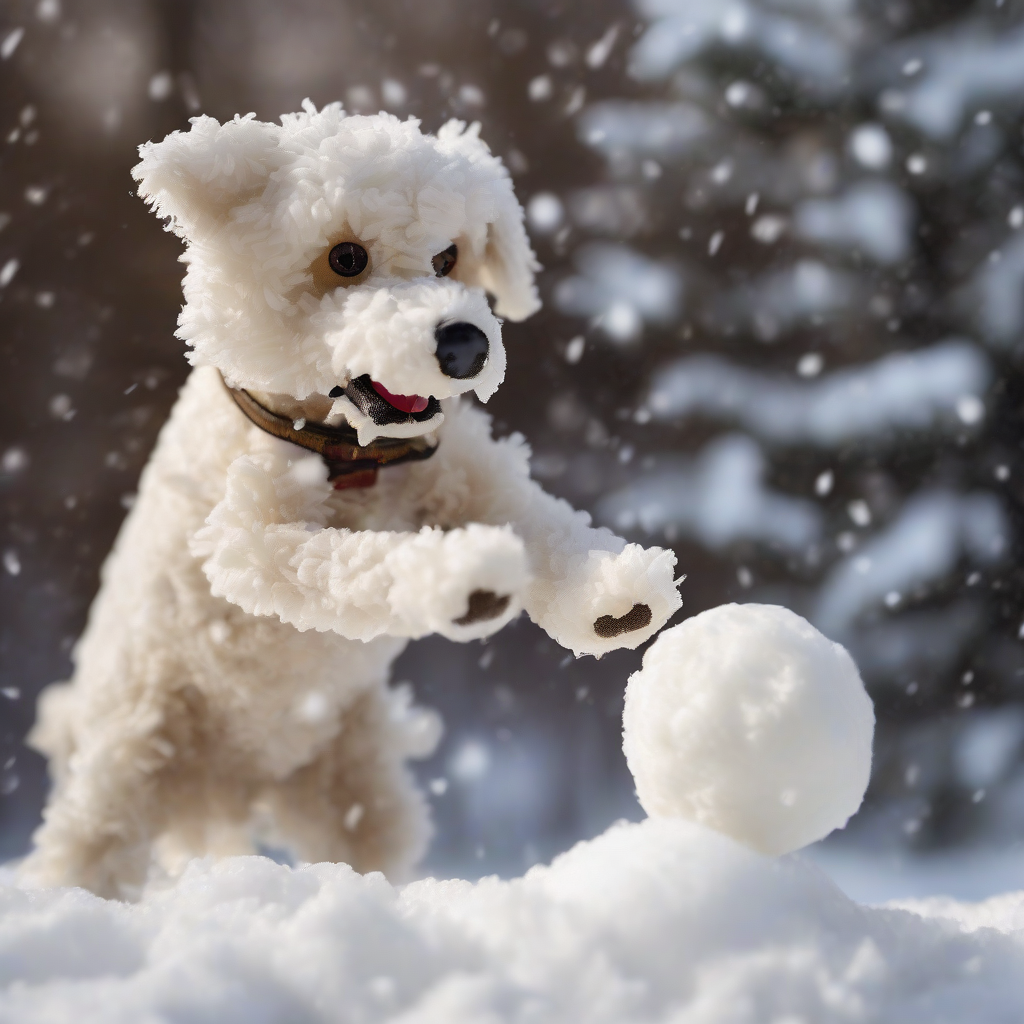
[658, 921]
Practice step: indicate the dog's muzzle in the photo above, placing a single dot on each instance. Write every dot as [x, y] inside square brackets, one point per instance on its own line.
[461, 351]
[369, 400]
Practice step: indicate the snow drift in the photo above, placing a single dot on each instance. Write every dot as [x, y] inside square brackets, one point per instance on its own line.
[662, 920]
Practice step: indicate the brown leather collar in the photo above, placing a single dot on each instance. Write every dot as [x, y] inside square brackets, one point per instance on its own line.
[348, 463]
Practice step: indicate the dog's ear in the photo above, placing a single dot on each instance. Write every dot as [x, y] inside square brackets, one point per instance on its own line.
[196, 177]
[509, 263]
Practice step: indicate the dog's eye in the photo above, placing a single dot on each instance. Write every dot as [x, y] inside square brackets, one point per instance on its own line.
[348, 259]
[444, 262]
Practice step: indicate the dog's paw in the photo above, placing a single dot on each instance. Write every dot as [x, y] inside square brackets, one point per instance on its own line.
[483, 606]
[610, 601]
[638, 617]
[463, 584]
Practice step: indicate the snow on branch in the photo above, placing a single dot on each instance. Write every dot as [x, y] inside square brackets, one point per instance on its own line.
[924, 543]
[918, 390]
[718, 499]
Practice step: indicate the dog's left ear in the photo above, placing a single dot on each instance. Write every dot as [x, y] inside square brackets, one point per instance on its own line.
[509, 263]
[196, 177]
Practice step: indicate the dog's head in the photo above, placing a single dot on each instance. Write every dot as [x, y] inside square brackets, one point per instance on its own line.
[342, 263]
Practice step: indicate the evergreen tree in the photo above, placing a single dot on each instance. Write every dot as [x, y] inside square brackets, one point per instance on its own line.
[806, 247]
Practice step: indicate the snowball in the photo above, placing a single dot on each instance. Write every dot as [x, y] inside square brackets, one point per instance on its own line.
[746, 719]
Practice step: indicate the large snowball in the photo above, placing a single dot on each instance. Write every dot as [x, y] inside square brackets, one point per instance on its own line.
[747, 720]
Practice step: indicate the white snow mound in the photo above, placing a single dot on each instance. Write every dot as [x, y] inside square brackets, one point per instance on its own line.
[746, 719]
[661, 921]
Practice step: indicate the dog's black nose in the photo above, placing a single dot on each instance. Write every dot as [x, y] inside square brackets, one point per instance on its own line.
[461, 350]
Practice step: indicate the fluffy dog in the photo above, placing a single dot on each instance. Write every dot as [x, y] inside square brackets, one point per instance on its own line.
[320, 495]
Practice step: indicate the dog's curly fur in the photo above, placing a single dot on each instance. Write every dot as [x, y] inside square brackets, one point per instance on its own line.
[232, 682]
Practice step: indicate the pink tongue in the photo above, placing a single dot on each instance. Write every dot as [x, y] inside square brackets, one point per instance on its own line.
[403, 403]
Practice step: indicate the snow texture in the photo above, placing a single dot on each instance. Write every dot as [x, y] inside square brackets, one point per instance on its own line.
[921, 545]
[663, 920]
[718, 499]
[874, 217]
[999, 291]
[988, 746]
[652, 129]
[811, 50]
[620, 290]
[746, 719]
[961, 70]
[779, 300]
[906, 390]
[899, 642]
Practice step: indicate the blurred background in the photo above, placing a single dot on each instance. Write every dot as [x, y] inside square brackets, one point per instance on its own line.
[782, 332]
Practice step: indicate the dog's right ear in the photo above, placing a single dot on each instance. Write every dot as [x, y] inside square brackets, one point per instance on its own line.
[509, 264]
[197, 177]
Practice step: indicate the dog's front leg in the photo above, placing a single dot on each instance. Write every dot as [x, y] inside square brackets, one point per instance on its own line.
[589, 589]
[267, 548]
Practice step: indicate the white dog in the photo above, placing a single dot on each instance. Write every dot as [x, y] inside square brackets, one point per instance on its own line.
[320, 495]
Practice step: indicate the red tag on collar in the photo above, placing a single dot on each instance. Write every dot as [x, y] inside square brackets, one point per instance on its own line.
[360, 478]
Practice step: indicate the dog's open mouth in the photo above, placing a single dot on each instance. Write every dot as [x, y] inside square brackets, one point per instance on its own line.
[404, 403]
[380, 405]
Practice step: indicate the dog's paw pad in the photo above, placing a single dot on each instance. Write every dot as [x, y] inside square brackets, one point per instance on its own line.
[486, 604]
[636, 618]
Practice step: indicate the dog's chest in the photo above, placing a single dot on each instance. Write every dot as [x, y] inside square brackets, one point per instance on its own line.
[402, 498]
